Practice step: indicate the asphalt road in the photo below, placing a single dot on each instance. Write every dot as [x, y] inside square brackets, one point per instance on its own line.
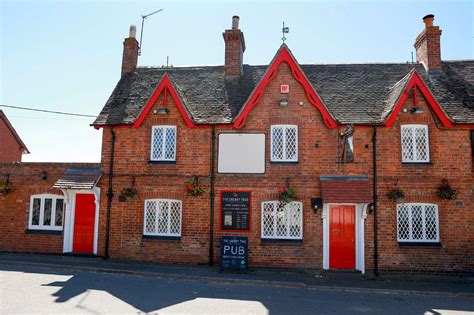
[34, 290]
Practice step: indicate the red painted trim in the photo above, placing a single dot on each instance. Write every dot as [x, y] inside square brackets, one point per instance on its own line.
[416, 82]
[284, 55]
[250, 212]
[164, 86]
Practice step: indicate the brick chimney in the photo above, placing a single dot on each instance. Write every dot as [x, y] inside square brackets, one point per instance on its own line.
[234, 49]
[427, 44]
[130, 52]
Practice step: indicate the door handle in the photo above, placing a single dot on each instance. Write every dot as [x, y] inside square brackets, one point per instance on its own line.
[335, 231]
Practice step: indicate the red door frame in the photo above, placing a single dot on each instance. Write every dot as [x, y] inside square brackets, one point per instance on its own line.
[84, 223]
[342, 236]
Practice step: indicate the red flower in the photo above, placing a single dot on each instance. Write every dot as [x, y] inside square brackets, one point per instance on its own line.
[191, 187]
[281, 189]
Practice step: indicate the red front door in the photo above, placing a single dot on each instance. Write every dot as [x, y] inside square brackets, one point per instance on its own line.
[342, 237]
[83, 241]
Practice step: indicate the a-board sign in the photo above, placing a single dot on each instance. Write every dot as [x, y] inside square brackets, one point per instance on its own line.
[234, 252]
[235, 210]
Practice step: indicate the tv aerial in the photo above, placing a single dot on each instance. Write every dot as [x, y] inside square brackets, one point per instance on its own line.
[141, 31]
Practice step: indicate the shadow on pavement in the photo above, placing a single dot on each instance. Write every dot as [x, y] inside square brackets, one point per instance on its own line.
[149, 294]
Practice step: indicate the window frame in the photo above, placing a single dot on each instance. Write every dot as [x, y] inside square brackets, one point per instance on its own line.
[41, 226]
[163, 144]
[284, 159]
[412, 127]
[168, 234]
[276, 204]
[410, 227]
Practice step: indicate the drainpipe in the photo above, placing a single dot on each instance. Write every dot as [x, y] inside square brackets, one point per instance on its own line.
[110, 193]
[374, 166]
[212, 195]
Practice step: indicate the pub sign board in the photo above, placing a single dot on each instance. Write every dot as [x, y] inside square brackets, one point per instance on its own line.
[234, 253]
[235, 210]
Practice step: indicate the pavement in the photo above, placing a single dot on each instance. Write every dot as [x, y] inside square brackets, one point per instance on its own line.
[313, 279]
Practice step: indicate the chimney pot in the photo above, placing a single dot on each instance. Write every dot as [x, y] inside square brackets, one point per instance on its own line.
[427, 44]
[235, 22]
[234, 49]
[428, 20]
[133, 31]
[130, 52]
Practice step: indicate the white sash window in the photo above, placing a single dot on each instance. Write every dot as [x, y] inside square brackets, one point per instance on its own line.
[415, 143]
[280, 221]
[163, 143]
[162, 217]
[46, 212]
[417, 222]
[284, 143]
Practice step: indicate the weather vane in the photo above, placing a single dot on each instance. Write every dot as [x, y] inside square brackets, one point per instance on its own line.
[284, 30]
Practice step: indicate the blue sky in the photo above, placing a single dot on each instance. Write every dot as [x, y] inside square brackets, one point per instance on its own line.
[66, 55]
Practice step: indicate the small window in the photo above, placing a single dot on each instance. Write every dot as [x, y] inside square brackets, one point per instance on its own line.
[284, 143]
[415, 143]
[46, 212]
[162, 217]
[163, 143]
[280, 221]
[417, 222]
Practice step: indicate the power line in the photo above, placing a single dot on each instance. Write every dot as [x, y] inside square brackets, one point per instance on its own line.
[47, 111]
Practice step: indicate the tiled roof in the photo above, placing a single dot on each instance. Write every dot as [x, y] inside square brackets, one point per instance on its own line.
[79, 178]
[353, 189]
[353, 93]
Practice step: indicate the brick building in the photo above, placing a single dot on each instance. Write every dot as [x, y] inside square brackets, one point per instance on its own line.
[355, 166]
[12, 147]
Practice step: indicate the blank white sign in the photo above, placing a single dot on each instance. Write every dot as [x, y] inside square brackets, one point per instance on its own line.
[241, 153]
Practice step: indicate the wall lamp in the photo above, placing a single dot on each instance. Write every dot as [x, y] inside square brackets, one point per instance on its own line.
[417, 110]
[370, 208]
[283, 102]
[316, 203]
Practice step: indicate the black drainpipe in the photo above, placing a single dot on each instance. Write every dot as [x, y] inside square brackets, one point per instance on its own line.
[110, 193]
[374, 161]
[212, 194]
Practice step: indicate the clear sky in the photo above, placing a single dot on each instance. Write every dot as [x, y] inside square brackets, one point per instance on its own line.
[66, 55]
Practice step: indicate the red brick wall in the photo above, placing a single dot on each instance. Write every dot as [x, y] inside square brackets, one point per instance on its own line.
[318, 152]
[26, 179]
[10, 150]
[450, 155]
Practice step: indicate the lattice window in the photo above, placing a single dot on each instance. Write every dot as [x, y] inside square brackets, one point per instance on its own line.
[280, 221]
[417, 222]
[46, 212]
[284, 143]
[163, 143]
[415, 143]
[162, 217]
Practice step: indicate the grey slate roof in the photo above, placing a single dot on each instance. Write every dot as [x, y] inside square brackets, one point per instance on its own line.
[79, 178]
[353, 93]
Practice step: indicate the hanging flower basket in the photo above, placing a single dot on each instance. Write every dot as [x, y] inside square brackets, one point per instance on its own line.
[287, 195]
[445, 191]
[5, 188]
[395, 194]
[194, 188]
[129, 192]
